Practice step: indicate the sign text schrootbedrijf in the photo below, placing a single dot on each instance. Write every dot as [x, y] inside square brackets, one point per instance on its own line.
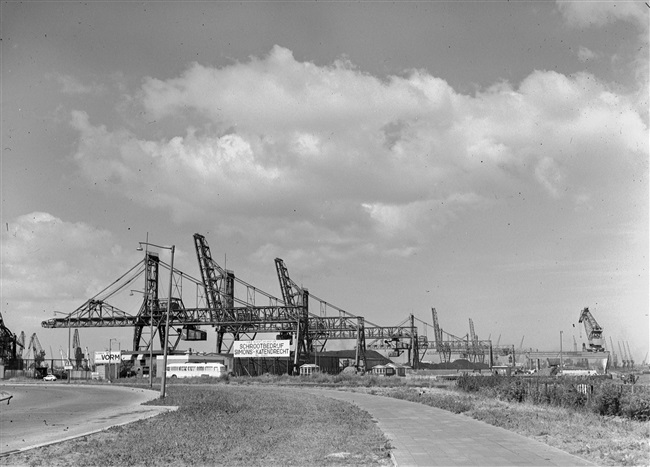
[261, 348]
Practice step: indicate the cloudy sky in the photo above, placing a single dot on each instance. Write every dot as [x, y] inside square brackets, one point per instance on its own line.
[489, 159]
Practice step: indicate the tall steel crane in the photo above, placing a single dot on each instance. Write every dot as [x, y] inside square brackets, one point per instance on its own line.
[623, 354]
[294, 295]
[78, 352]
[629, 353]
[219, 287]
[89, 360]
[313, 331]
[443, 350]
[593, 330]
[35, 351]
[615, 356]
[21, 343]
[476, 352]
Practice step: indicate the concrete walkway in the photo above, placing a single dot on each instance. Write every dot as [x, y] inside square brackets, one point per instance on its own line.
[427, 436]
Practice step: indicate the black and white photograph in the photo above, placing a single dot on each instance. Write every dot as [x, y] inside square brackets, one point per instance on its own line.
[324, 233]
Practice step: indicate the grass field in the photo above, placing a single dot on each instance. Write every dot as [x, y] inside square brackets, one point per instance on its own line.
[221, 424]
[243, 423]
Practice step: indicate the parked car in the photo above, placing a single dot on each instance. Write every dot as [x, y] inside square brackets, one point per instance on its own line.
[49, 378]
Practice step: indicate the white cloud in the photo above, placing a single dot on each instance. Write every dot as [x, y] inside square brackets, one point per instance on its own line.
[47, 259]
[72, 85]
[332, 154]
[50, 264]
[549, 174]
[585, 54]
[592, 13]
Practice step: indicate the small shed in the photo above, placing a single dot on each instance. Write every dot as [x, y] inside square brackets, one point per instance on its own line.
[383, 370]
[398, 370]
[309, 369]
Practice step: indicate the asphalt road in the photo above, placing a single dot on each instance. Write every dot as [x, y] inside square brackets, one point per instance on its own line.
[45, 413]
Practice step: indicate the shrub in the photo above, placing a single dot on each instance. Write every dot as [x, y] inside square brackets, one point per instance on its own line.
[456, 403]
[571, 398]
[636, 406]
[607, 400]
[515, 391]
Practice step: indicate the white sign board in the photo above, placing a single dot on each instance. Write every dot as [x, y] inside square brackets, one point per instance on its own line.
[261, 348]
[102, 358]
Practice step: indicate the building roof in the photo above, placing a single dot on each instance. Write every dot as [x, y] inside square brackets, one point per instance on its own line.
[351, 354]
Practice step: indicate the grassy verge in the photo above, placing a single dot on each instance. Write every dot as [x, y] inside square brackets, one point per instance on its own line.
[220, 424]
[604, 440]
[244, 424]
[600, 439]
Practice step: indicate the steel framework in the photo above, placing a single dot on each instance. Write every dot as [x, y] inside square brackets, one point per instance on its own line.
[9, 343]
[219, 306]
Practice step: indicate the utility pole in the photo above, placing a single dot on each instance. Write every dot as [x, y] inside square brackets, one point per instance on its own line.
[561, 363]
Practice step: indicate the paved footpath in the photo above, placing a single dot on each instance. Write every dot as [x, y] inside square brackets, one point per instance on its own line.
[427, 436]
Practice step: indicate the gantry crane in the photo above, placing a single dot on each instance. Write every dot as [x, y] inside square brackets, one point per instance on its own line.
[230, 315]
[322, 328]
[222, 309]
[593, 330]
[8, 344]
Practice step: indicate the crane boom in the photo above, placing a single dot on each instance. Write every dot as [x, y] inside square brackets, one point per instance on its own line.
[593, 330]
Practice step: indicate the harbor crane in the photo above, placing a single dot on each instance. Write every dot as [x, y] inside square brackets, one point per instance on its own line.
[615, 356]
[35, 351]
[593, 330]
[629, 353]
[78, 352]
[623, 355]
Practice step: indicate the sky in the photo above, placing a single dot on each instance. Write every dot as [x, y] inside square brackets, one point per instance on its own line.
[486, 158]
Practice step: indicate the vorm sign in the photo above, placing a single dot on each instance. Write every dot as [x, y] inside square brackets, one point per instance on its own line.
[261, 348]
[107, 357]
